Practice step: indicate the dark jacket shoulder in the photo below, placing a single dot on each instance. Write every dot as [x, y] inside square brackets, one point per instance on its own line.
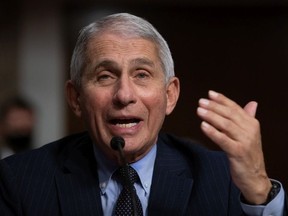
[40, 165]
[194, 150]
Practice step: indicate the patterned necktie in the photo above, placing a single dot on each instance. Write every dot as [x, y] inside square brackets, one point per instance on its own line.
[128, 203]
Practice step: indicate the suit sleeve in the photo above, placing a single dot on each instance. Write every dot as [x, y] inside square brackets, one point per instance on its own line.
[277, 207]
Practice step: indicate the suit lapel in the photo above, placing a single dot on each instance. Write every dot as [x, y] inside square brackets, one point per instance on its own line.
[171, 184]
[77, 181]
[78, 185]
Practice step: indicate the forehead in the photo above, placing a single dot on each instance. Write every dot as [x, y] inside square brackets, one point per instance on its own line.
[16, 113]
[18, 118]
[112, 45]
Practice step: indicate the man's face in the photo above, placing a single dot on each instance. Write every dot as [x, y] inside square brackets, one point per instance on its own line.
[18, 121]
[17, 128]
[124, 93]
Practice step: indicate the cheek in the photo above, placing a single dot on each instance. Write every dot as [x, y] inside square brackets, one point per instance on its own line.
[157, 103]
[92, 103]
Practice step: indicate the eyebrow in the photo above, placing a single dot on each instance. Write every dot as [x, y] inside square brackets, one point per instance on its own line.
[134, 62]
[142, 61]
[106, 63]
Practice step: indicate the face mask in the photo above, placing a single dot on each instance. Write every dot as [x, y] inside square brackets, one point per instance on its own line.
[19, 143]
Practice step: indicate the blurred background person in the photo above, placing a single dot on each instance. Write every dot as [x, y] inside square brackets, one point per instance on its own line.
[17, 120]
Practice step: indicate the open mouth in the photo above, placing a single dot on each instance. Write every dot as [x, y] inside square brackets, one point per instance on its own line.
[125, 123]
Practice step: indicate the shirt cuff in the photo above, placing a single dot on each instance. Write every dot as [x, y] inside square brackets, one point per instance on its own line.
[275, 207]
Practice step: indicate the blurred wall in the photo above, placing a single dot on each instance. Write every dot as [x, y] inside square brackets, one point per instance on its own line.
[32, 63]
[8, 50]
[41, 67]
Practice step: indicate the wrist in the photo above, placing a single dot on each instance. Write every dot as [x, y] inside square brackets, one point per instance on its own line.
[275, 189]
[272, 193]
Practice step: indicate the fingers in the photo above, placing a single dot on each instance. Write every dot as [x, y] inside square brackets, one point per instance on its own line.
[226, 123]
[226, 108]
[251, 108]
[237, 132]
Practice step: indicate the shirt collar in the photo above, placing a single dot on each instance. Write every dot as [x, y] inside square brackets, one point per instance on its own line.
[144, 168]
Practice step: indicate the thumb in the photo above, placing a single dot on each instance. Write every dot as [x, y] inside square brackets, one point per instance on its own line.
[251, 108]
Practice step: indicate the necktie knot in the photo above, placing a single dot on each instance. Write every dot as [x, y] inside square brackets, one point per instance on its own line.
[128, 203]
[131, 175]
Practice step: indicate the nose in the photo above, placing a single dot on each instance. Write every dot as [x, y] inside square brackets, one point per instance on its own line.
[124, 92]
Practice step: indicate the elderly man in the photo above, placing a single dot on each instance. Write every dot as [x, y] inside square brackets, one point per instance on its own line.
[122, 86]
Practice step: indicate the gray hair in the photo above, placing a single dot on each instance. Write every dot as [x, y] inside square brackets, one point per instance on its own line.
[124, 24]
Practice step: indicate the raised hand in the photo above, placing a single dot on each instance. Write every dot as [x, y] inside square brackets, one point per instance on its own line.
[237, 132]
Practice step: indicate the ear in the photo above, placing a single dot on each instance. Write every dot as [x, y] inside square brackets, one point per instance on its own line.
[72, 96]
[172, 93]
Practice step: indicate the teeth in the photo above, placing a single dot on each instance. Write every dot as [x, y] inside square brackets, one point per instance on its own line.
[129, 125]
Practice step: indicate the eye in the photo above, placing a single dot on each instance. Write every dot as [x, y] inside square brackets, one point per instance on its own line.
[105, 77]
[142, 74]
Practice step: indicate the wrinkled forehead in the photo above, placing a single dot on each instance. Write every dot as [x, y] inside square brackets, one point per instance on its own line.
[114, 33]
[110, 44]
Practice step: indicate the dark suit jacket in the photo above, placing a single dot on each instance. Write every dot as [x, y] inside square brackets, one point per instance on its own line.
[61, 179]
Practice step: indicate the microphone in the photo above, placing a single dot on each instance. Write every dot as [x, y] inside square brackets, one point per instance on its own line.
[117, 143]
